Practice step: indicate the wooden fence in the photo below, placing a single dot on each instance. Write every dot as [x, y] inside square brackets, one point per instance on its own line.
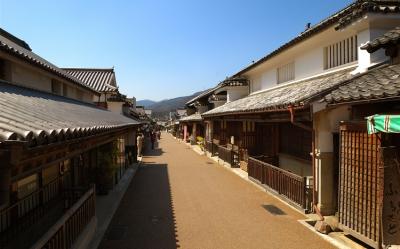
[359, 182]
[26, 212]
[291, 186]
[64, 233]
[209, 147]
[225, 154]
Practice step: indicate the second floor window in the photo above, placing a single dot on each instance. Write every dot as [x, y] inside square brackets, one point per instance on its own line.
[285, 73]
[340, 53]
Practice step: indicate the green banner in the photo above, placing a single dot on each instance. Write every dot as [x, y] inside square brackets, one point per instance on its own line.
[383, 123]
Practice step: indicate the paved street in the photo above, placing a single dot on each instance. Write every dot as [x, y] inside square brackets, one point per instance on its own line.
[179, 199]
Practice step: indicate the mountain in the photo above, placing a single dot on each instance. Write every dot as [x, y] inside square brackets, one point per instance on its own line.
[162, 108]
[145, 102]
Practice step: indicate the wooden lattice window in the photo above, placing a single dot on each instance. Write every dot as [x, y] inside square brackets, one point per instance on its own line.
[340, 53]
[295, 141]
[285, 72]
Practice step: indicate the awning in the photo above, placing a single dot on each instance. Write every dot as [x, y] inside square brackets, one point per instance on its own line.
[383, 123]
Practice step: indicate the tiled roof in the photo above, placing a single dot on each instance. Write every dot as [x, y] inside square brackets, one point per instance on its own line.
[102, 80]
[206, 93]
[341, 18]
[38, 117]
[9, 44]
[379, 83]
[217, 97]
[193, 117]
[390, 38]
[372, 6]
[234, 81]
[296, 94]
[231, 81]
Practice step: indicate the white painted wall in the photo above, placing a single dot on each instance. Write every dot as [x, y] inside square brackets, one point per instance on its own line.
[30, 78]
[308, 55]
[235, 93]
[218, 103]
[115, 107]
[36, 78]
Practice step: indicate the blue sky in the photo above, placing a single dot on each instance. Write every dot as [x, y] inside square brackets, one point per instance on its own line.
[160, 48]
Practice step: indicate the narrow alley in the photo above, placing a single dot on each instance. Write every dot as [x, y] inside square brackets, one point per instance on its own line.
[179, 199]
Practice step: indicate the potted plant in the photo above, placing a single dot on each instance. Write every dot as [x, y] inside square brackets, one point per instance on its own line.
[106, 167]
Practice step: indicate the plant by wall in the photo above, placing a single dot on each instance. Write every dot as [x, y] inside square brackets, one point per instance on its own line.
[106, 165]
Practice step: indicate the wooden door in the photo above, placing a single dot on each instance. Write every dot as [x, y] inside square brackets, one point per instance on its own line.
[359, 182]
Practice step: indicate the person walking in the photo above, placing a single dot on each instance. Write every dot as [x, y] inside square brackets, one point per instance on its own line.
[139, 142]
[152, 139]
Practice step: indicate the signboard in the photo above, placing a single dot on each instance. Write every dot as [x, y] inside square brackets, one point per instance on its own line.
[391, 198]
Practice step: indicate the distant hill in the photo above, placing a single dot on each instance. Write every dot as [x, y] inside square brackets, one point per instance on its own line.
[162, 108]
[145, 102]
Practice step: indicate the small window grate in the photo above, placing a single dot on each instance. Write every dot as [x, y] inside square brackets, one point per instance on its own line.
[341, 53]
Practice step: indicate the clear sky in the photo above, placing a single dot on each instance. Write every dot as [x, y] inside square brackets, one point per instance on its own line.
[160, 48]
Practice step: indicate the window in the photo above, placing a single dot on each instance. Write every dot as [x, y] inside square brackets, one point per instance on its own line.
[285, 73]
[295, 141]
[341, 53]
[56, 87]
[65, 90]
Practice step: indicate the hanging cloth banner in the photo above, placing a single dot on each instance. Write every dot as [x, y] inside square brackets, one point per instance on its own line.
[383, 123]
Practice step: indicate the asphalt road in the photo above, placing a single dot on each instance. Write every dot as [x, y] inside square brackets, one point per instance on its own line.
[179, 199]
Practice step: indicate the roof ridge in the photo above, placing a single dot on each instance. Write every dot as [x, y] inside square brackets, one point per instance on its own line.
[88, 68]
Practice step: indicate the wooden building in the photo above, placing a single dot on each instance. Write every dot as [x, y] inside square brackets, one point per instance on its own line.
[56, 149]
[291, 131]
[103, 80]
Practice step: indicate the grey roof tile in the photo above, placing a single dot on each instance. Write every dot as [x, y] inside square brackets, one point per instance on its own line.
[375, 84]
[102, 80]
[11, 46]
[38, 117]
[391, 37]
[193, 117]
[295, 94]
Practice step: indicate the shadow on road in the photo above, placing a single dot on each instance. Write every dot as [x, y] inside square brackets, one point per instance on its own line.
[145, 218]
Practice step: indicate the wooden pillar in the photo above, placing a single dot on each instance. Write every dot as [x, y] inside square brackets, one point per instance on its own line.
[9, 157]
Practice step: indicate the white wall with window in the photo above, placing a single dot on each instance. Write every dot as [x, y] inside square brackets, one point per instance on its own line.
[328, 51]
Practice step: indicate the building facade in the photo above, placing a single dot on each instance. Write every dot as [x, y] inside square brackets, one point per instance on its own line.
[57, 149]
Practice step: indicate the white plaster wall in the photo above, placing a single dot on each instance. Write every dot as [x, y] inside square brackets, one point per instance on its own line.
[115, 107]
[327, 122]
[218, 103]
[268, 79]
[236, 93]
[29, 78]
[309, 63]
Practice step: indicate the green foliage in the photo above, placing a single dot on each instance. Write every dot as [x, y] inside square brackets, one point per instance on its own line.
[200, 142]
[107, 162]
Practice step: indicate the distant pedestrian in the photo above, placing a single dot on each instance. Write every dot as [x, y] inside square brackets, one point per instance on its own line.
[152, 139]
[159, 135]
[139, 142]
